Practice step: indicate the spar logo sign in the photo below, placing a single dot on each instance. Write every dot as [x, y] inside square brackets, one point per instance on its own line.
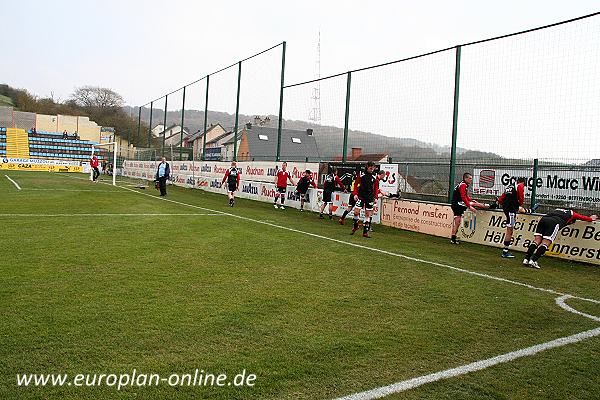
[469, 223]
[487, 178]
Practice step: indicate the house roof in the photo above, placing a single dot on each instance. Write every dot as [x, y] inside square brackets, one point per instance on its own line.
[200, 134]
[375, 157]
[221, 137]
[303, 146]
[169, 128]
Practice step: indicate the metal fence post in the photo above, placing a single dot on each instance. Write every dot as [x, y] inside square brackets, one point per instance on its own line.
[237, 112]
[139, 126]
[535, 176]
[454, 126]
[346, 117]
[205, 119]
[162, 150]
[278, 156]
[150, 124]
[182, 119]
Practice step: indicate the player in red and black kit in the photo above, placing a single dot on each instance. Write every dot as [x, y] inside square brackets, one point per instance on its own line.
[511, 201]
[364, 193]
[303, 185]
[461, 201]
[351, 201]
[281, 180]
[232, 176]
[546, 231]
[94, 165]
[331, 182]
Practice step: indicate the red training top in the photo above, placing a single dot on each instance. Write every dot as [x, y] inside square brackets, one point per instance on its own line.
[282, 178]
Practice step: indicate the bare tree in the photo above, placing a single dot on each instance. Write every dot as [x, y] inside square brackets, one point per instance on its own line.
[93, 97]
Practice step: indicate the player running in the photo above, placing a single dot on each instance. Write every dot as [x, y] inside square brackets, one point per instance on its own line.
[281, 180]
[302, 187]
[329, 185]
[546, 231]
[232, 176]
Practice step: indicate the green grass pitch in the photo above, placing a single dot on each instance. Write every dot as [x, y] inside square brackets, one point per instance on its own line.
[123, 288]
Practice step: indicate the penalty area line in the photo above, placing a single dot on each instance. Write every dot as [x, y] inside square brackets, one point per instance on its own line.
[14, 183]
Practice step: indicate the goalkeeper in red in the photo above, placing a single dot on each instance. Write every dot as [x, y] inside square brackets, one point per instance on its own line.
[232, 176]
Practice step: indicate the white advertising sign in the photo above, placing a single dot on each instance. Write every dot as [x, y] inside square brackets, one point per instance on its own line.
[390, 182]
[568, 186]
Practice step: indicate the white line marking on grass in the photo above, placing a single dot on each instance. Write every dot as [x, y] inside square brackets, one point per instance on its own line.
[561, 302]
[110, 215]
[72, 190]
[14, 183]
[475, 366]
[466, 271]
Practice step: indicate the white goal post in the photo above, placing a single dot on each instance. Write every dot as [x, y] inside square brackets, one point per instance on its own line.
[114, 163]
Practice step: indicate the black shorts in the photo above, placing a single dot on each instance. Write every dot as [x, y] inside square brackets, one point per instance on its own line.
[327, 197]
[281, 189]
[351, 201]
[231, 188]
[511, 218]
[458, 210]
[548, 228]
[302, 196]
[368, 204]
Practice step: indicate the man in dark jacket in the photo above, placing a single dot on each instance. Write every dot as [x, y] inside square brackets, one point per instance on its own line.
[162, 174]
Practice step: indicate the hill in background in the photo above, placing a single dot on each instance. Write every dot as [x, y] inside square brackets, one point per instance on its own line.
[329, 138]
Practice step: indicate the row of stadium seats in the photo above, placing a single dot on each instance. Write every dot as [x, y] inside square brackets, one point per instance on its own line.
[52, 145]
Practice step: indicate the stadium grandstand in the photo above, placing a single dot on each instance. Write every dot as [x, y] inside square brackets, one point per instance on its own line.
[25, 135]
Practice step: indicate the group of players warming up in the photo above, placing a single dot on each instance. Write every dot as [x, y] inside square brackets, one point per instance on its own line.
[511, 202]
[365, 191]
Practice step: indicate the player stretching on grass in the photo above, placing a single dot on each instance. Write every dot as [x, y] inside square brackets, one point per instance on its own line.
[512, 203]
[232, 176]
[461, 201]
[302, 188]
[364, 194]
[281, 182]
[546, 231]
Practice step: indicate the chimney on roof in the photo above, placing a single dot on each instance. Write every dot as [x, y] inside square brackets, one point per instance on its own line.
[356, 152]
[309, 132]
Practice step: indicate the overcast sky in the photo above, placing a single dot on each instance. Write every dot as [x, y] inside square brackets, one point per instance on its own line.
[143, 49]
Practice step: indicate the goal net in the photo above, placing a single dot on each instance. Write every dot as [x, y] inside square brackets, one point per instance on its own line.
[107, 158]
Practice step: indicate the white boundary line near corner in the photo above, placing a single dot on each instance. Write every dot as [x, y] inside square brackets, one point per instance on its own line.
[561, 302]
[467, 368]
[14, 183]
[482, 364]
[112, 215]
